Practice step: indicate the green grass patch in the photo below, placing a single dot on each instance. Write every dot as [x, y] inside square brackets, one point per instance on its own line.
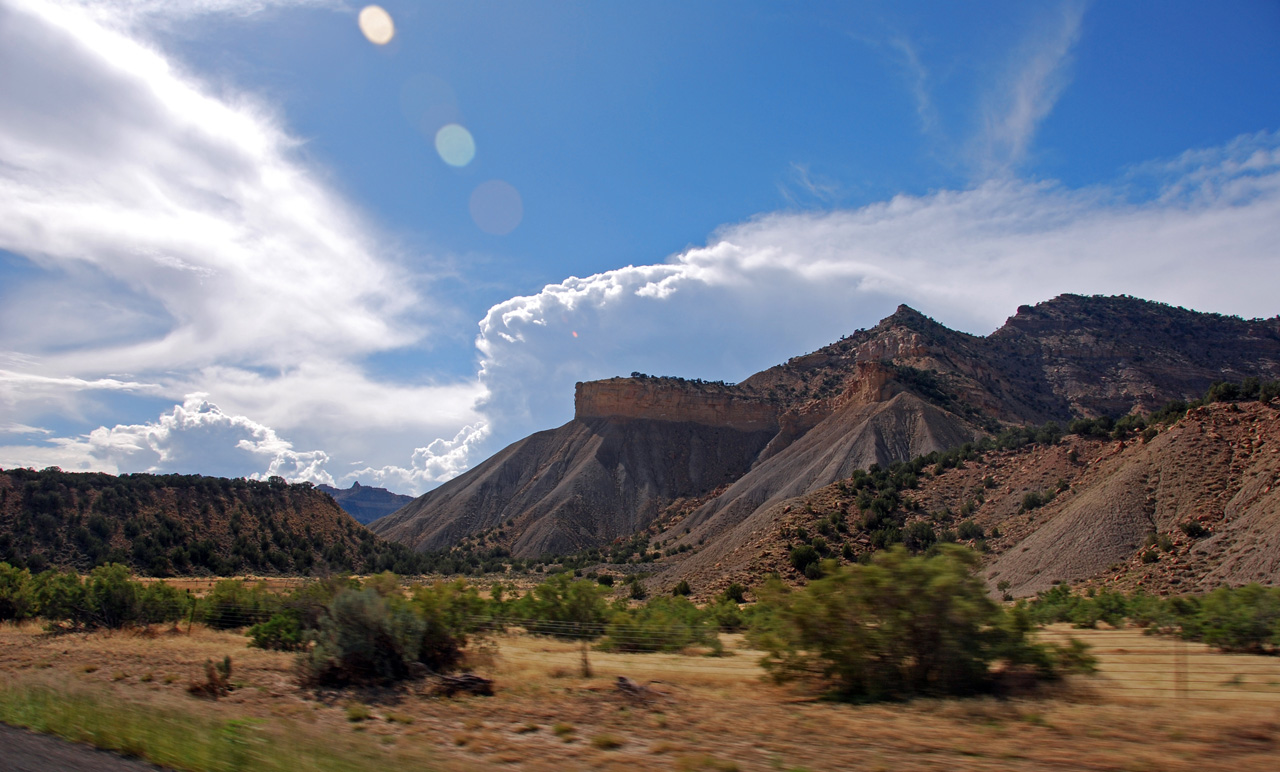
[172, 738]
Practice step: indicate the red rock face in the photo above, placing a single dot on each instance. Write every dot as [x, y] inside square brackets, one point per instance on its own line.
[669, 400]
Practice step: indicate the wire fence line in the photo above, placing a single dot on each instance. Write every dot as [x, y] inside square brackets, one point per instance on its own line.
[1134, 665]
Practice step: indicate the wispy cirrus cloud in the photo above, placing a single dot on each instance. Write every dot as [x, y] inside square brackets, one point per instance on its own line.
[1036, 75]
[176, 241]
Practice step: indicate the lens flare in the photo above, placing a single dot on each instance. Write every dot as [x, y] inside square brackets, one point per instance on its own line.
[455, 145]
[496, 207]
[376, 25]
[428, 102]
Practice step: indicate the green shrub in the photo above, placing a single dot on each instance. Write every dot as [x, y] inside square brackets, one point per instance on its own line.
[16, 601]
[638, 592]
[726, 615]
[111, 598]
[562, 606]
[234, 603]
[1242, 619]
[662, 624]
[365, 638]
[58, 597]
[449, 612]
[279, 633]
[1193, 529]
[802, 556]
[901, 626]
[682, 588]
[735, 592]
[160, 602]
[919, 536]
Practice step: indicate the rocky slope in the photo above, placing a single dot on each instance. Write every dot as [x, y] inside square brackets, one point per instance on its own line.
[906, 387]
[1195, 507]
[365, 503]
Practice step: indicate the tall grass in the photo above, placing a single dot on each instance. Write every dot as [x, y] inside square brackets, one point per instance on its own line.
[183, 739]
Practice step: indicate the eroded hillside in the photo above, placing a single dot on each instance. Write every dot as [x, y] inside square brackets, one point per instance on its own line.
[1190, 507]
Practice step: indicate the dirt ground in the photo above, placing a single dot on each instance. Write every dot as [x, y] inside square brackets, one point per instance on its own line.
[714, 713]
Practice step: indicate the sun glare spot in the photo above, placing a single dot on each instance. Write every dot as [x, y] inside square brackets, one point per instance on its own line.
[376, 25]
[455, 145]
[496, 207]
[575, 334]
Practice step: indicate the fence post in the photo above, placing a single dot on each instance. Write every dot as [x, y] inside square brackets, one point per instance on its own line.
[586, 663]
[191, 620]
[1180, 667]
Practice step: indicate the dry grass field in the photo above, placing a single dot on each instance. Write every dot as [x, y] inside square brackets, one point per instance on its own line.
[128, 689]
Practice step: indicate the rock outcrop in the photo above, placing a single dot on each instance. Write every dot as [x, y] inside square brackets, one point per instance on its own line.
[676, 401]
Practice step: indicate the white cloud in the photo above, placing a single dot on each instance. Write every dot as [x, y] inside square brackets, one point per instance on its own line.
[196, 437]
[135, 13]
[438, 462]
[1035, 79]
[183, 245]
[16, 428]
[118, 171]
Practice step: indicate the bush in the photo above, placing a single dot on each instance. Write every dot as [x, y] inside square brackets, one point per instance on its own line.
[682, 589]
[903, 625]
[279, 633]
[562, 606]
[727, 616]
[159, 602]
[364, 639]
[16, 603]
[919, 536]
[1243, 619]
[234, 603]
[58, 597]
[662, 624]
[1193, 529]
[449, 612]
[111, 599]
[802, 556]
[735, 592]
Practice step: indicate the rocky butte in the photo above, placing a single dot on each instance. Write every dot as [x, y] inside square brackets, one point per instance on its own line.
[721, 454]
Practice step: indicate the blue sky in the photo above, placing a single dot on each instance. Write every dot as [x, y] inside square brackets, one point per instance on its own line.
[229, 244]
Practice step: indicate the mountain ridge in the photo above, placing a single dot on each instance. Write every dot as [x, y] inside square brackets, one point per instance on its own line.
[907, 386]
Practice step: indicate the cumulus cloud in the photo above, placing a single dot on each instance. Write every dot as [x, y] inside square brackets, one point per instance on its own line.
[196, 437]
[438, 462]
[1198, 231]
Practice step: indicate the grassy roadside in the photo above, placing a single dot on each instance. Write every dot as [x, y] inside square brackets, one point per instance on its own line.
[186, 741]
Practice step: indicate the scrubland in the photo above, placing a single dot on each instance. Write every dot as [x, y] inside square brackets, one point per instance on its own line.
[128, 689]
